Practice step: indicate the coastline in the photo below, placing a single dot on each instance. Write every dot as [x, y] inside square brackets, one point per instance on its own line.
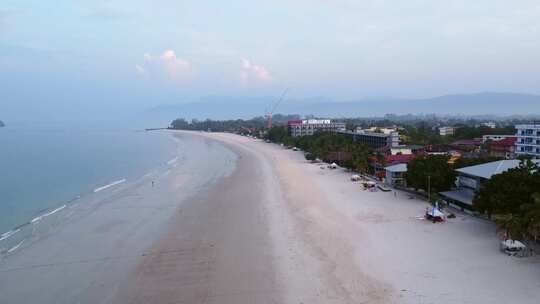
[86, 256]
[251, 222]
[46, 168]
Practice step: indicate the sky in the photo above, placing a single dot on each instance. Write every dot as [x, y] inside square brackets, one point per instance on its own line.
[93, 56]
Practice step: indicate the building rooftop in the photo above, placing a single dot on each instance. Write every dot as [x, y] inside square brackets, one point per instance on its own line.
[487, 170]
[509, 141]
[460, 195]
[467, 142]
[365, 133]
[398, 158]
[397, 168]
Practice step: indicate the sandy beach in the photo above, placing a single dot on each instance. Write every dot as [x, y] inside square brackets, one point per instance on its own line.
[250, 222]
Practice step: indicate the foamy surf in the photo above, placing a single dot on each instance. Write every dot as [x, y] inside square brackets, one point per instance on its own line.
[172, 161]
[6, 235]
[109, 185]
[37, 219]
[15, 247]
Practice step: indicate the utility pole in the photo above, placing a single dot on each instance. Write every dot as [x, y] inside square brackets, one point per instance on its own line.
[429, 188]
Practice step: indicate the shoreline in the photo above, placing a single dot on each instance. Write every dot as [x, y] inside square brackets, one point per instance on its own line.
[46, 168]
[98, 193]
[244, 221]
[216, 249]
[84, 258]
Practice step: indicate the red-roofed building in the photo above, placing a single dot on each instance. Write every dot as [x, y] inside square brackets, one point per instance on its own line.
[503, 148]
[389, 160]
[468, 144]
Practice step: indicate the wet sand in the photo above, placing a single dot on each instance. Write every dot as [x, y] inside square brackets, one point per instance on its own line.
[91, 254]
[216, 249]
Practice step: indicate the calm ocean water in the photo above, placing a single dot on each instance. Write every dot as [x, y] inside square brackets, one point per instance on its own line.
[44, 167]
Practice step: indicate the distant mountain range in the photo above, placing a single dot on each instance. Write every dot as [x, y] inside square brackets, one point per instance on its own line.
[463, 104]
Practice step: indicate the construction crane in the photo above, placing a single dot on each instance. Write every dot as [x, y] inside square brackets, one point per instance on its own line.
[273, 108]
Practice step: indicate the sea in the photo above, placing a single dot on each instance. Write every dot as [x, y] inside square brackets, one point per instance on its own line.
[46, 167]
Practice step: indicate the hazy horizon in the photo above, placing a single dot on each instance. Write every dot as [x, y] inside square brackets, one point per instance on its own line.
[97, 59]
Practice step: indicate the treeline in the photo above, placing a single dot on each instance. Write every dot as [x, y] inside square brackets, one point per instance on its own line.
[425, 133]
[512, 199]
[466, 132]
[329, 147]
[238, 125]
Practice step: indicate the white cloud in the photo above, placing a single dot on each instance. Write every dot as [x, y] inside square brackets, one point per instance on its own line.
[254, 71]
[165, 63]
[140, 69]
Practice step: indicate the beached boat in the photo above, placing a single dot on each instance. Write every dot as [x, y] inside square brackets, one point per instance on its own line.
[355, 177]
[384, 188]
[333, 166]
[368, 184]
[434, 214]
[513, 248]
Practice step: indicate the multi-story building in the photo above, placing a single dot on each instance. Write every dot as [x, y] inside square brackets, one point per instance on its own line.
[310, 126]
[384, 130]
[374, 139]
[444, 131]
[504, 148]
[528, 140]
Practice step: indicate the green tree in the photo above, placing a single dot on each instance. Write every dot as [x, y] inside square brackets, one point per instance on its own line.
[510, 199]
[432, 171]
[277, 133]
[350, 125]
[532, 216]
[506, 192]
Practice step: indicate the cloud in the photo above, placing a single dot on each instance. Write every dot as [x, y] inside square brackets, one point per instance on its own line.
[140, 69]
[166, 63]
[253, 71]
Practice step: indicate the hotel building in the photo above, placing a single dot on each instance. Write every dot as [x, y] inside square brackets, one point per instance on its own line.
[310, 126]
[528, 140]
[374, 139]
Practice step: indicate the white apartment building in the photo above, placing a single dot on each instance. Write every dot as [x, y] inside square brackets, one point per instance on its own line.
[310, 126]
[528, 140]
[489, 124]
[444, 131]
